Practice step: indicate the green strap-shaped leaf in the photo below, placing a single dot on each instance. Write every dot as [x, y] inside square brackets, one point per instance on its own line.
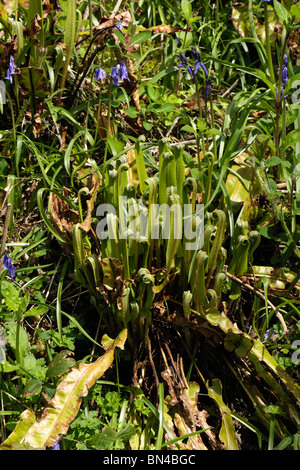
[141, 167]
[217, 243]
[26, 421]
[257, 352]
[69, 8]
[65, 405]
[227, 431]
[197, 279]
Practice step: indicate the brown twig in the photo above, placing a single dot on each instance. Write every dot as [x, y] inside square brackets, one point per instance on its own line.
[116, 9]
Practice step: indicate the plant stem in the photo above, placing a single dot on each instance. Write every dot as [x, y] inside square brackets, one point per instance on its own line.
[198, 137]
[107, 132]
[268, 45]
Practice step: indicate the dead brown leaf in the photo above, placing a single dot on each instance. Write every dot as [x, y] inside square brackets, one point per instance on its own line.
[103, 122]
[165, 28]
[36, 26]
[62, 216]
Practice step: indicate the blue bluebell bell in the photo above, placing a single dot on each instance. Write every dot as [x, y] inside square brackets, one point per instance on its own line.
[115, 75]
[99, 74]
[178, 41]
[7, 264]
[120, 25]
[123, 74]
[184, 63]
[56, 445]
[11, 70]
[197, 56]
[207, 87]
[119, 72]
[284, 75]
[268, 334]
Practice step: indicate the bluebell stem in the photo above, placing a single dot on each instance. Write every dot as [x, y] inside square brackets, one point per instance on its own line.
[7, 264]
[184, 63]
[10, 70]
[99, 74]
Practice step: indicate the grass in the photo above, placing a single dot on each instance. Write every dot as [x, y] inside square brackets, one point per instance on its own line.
[121, 325]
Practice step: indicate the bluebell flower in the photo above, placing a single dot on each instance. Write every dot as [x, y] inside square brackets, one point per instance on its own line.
[56, 445]
[119, 72]
[123, 74]
[207, 86]
[266, 1]
[184, 63]
[197, 56]
[99, 74]
[10, 70]
[115, 75]
[7, 264]
[268, 334]
[284, 75]
[178, 41]
[120, 25]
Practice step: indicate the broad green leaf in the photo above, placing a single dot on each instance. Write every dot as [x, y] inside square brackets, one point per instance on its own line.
[295, 11]
[281, 11]
[291, 139]
[18, 339]
[108, 436]
[11, 295]
[36, 311]
[141, 37]
[32, 387]
[272, 161]
[60, 364]
[186, 9]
